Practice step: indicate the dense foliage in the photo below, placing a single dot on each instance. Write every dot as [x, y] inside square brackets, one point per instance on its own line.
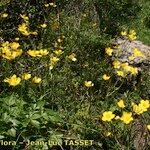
[57, 79]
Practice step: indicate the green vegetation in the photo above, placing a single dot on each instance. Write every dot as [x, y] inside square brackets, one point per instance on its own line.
[57, 79]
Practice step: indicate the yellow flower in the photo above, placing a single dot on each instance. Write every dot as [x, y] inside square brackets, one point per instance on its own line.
[138, 53]
[36, 79]
[148, 126]
[120, 73]
[126, 117]
[34, 33]
[59, 40]
[46, 5]
[33, 53]
[126, 66]
[106, 77]
[54, 60]
[26, 76]
[10, 51]
[43, 52]
[23, 28]
[121, 104]
[44, 25]
[144, 105]
[58, 52]
[51, 4]
[72, 57]
[13, 80]
[4, 15]
[108, 116]
[109, 51]
[132, 32]
[108, 134]
[123, 33]
[24, 17]
[14, 45]
[131, 57]
[117, 117]
[134, 70]
[117, 64]
[88, 83]
[132, 35]
[17, 38]
[138, 110]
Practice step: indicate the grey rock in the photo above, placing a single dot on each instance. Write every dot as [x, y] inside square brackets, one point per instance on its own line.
[125, 50]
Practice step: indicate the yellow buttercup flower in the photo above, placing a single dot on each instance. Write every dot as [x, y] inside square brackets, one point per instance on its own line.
[17, 38]
[34, 33]
[4, 15]
[23, 28]
[88, 84]
[44, 25]
[54, 60]
[134, 70]
[13, 80]
[14, 45]
[72, 57]
[109, 51]
[108, 116]
[126, 117]
[120, 73]
[131, 57]
[24, 17]
[123, 33]
[144, 104]
[138, 110]
[10, 50]
[36, 79]
[126, 67]
[141, 107]
[59, 40]
[117, 64]
[138, 53]
[106, 77]
[132, 32]
[117, 117]
[38, 53]
[108, 134]
[46, 5]
[43, 52]
[51, 4]
[58, 52]
[34, 53]
[121, 104]
[132, 35]
[148, 127]
[26, 76]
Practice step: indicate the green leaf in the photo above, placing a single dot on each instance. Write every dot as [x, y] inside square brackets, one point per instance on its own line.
[1, 137]
[35, 123]
[54, 116]
[12, 132]
[10, 100]
[56, 137]
[35, 116]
